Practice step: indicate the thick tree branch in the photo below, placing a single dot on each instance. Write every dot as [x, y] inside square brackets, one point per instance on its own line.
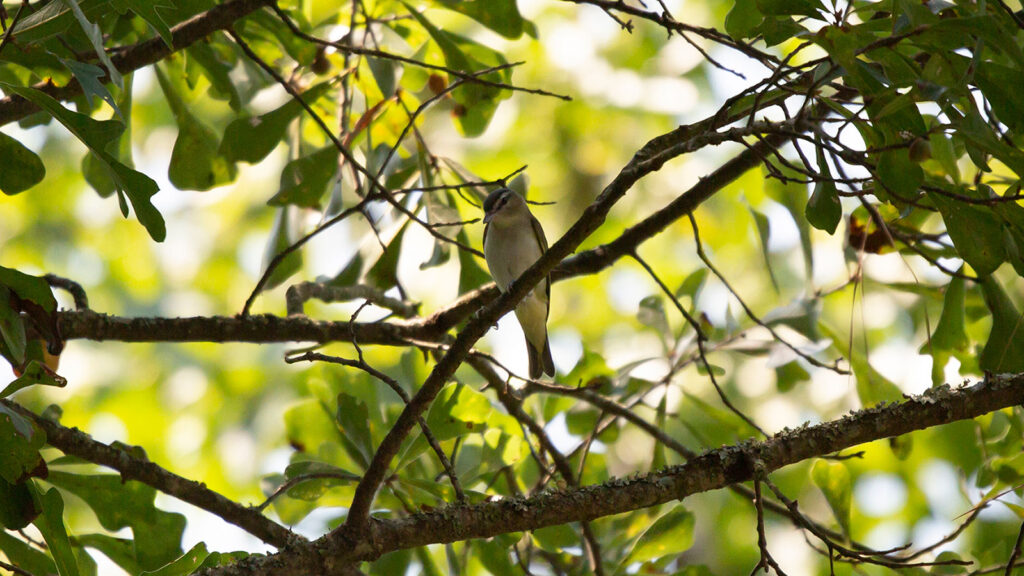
[711, 470]
[77, 443]
[13, 108]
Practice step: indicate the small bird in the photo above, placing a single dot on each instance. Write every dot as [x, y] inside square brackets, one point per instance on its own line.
[513, 241]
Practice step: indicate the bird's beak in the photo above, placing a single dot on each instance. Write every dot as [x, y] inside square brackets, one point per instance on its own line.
[488, 216]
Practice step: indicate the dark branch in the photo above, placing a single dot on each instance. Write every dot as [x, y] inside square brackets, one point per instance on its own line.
[220, 17]
[711, 470]
[77, 443]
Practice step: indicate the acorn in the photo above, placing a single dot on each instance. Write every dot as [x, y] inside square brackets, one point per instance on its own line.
[920, 150]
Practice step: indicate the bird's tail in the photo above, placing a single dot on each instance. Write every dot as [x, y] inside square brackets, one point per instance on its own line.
[540, 362]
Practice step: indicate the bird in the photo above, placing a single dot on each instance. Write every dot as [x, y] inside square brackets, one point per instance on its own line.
[514, 241]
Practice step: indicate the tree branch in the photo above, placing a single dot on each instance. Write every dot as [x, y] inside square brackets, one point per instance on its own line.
[77, 443]
[142, 54]
[711, 470]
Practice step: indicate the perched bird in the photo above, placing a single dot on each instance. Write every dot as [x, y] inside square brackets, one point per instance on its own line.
[513, 241]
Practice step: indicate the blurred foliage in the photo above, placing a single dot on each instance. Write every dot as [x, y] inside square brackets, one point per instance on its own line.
[888, 242]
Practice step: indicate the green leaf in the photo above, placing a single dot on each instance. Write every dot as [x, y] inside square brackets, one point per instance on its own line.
[384, 272]
[149, 10]
[326, 477]
[120, 550]
[742, 19]
[216, 66]
[196, 163]
[942, 151]
[128, 504]
[24, 556]
[1004, 350]
[950, 335]
[386, 72]
[250, 139]
[999, 85]
[764, 233]
[97, 134]
[502, 16]
[789, 375]
[440, 211]
[555, 538]
[185, 565]
[17, 506]
[670, 534]
[29, 288]
[949, 332]
[354, 419]
[899, 175]
[12, 328]
[458, 410]
[975, 232]
[304, 180]
[95, 35]
[94, 169]
[20, 441]
[51, 525]
[789, 7]
[823, 209]
[279, 240]
[872, 387]
[89, 76]
[34, 373]
[350, 274]
[20, 168]
[471, 274]
[495, 557]
[833, 479]
[651, 313]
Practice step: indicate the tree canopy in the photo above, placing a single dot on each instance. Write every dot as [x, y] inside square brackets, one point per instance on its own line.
[251, 330]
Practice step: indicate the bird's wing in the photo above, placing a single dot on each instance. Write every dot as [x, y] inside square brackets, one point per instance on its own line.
[538, 232]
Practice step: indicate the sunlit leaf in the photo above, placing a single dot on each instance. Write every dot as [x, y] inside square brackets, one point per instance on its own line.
[458, 410]
[672, 533]
[833, 479]
[555, 538]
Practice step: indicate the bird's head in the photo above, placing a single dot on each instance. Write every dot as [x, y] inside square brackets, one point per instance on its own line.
[503, 204]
